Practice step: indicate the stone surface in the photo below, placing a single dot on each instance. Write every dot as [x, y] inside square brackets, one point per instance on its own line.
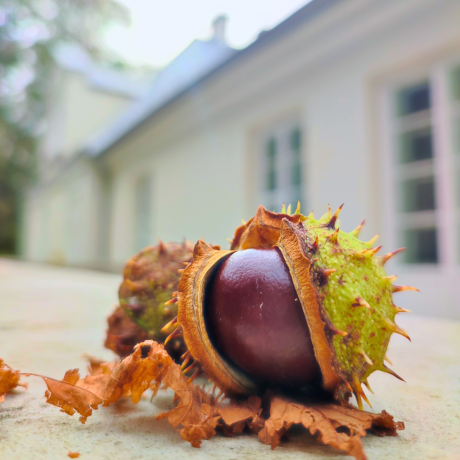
[50, 317]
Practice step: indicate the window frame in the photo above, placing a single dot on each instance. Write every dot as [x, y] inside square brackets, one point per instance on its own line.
[280, 131]
[445, 162]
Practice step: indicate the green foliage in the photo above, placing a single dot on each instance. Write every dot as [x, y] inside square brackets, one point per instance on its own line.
[29, 29]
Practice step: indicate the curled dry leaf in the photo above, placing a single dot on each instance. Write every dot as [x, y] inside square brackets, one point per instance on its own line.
[131, 377]
[198, 413]
[9, 379]
[240, 414]
[193, 412]
[99, 366]
[69, 397]
[323, 420]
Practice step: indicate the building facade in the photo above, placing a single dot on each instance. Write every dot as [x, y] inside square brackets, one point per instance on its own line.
[347, 101]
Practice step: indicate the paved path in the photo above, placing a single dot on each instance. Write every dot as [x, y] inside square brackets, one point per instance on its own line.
[50, 317]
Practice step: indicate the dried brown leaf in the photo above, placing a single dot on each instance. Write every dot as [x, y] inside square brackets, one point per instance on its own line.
[69, 397]
[9, 379]
[239, 414]
[194, 411]
[131, 377]
[197, 412]
[189, 410]
[323, 420]
[98, 366]
[195, 433]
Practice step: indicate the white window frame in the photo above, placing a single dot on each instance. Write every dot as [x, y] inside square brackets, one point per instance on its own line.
[445, 163]
[281, 131]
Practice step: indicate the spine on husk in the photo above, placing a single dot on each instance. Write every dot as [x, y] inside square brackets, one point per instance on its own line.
[346, 297]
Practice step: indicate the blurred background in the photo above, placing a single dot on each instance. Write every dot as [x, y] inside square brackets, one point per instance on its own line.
[125, 122]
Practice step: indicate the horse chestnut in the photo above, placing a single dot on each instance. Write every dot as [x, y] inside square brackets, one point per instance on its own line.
[255, 319]
[149, 279]
[294, 301]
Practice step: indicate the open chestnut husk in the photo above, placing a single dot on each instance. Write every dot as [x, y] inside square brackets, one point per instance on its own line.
[149, 279]
[294, 302]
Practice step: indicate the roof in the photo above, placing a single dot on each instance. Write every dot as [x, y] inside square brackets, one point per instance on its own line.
[200, 61]
[74, 58]
[195, 62]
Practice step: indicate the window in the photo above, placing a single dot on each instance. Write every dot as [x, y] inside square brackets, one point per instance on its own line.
[281, 159]
[271, 165]
[414, 99]
[418, 194]
[414, 170]
[143, 232]
[421, 245]
[296, 167]
[455, 84]
[416, 145]
[455, 129]
[421, 164]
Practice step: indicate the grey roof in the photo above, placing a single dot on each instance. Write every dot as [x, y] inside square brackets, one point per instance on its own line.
[199, 61]
[74, 58]
[196, 61]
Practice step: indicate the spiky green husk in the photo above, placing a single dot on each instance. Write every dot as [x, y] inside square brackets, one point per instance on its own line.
[356, 295]
[149, 279]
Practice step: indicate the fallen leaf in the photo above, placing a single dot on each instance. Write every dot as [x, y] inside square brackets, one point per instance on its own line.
[98, 366]
[199, 414]
[237, 415]
[73, 454]
[323, 420]
[189, 410]
[131, 377]
[194, 411]
[9, 379]
[194, 434]
[69, 397]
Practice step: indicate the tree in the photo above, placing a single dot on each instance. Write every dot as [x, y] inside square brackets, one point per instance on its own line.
[29, 30]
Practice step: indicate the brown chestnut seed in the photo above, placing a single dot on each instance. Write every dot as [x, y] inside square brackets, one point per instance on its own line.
[255, 319]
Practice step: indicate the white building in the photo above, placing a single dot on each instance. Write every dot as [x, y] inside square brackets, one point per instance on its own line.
[354, 101]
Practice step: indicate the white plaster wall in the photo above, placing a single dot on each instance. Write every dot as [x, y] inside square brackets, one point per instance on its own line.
[200, 150]
[77, 111]
[63, 219]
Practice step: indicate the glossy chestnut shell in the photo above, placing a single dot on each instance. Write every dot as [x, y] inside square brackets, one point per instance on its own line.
[255, 319]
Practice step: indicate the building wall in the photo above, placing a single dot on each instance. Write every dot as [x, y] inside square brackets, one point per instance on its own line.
[77, 111]
[62, 220]
[201, 151]
[198, 159]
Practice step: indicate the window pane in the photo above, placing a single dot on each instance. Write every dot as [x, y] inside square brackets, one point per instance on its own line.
[456, 135]
[414, 99]
[418, 194]
[270, 183]
[421, 246]
[455, 83]
[296, 166]
[416, 145]
[295, 139]
[296, 162]
[143, 203]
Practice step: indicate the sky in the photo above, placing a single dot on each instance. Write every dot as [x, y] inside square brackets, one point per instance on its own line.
[160, 30]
